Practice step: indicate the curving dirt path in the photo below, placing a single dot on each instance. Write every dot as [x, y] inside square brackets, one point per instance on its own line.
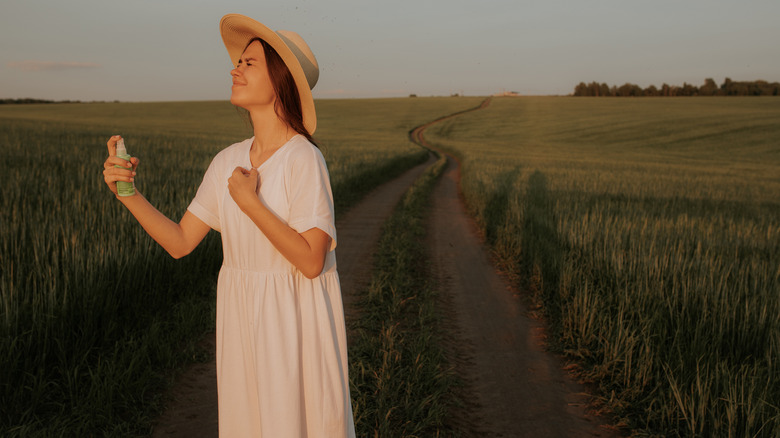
[512, 386]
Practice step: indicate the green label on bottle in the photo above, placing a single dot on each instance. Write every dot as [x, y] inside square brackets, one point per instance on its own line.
[124, 188]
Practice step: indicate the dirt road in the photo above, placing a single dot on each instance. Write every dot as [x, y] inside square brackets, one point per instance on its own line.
[513, 387]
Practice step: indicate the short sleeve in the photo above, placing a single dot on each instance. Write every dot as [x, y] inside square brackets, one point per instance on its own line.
[205, 205]
[311, 198]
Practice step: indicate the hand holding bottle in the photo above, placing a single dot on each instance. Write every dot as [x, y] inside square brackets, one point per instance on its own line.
[119, 168]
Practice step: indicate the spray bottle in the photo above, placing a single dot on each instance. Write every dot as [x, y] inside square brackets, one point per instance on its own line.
[123, 188]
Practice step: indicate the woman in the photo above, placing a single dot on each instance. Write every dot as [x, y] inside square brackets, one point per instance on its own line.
[281, 343]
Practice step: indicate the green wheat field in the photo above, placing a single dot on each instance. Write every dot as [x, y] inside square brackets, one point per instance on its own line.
[646, 232]
[94, 315]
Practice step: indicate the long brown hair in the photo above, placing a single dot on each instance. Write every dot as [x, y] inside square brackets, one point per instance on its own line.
[288, 102]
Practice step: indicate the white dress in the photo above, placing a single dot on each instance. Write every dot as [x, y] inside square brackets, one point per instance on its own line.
[281, 340]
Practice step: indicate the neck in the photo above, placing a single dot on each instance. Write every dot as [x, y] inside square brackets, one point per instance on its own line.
[270, 131]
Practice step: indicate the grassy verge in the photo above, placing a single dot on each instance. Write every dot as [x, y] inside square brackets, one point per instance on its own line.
[398, 374]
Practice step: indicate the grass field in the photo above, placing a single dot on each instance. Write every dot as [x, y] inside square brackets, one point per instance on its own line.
[647, 229]
[649, 232]
[94, 317]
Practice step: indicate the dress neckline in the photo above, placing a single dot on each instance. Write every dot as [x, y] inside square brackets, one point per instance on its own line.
[248, 152]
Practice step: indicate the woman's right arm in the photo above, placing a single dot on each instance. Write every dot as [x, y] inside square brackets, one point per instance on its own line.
[177, 239]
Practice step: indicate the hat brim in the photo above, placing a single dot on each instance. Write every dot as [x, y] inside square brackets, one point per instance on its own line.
[237, 30]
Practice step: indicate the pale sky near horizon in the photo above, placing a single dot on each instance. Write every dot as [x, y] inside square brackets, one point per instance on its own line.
[164, 50]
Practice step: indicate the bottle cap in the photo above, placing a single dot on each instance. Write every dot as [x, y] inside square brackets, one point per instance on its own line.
[120, 147]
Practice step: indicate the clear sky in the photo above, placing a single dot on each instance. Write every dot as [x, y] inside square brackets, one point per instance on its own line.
[162, 50]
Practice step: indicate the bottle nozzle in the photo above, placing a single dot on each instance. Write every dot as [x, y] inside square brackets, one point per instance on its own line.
[120, 147]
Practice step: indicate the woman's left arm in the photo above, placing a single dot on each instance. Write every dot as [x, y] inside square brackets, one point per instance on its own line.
[306, 251]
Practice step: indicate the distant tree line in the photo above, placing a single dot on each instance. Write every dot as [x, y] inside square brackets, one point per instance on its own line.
[709, 88]
[29, 100]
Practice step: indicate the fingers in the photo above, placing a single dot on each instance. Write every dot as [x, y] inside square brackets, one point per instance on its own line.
[243, 179]
[240, 171]
[113, 160]
[236, 177]
[114, 174]
[126, 170]
[112, 144]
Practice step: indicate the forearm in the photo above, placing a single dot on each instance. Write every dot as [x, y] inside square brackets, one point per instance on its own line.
[306, 255]
[164, 231]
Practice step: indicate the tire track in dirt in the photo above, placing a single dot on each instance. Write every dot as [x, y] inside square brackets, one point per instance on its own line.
[512, 387]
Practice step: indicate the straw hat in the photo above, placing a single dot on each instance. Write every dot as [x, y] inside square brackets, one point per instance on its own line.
[237, 30]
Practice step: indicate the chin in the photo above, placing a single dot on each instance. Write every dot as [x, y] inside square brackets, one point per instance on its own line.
[237, 102]
[247, 100]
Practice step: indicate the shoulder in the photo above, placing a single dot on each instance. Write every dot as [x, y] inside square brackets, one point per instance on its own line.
[233, 152]
[301, 150]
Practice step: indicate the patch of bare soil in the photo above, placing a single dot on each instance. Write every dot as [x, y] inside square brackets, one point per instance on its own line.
[192, 409]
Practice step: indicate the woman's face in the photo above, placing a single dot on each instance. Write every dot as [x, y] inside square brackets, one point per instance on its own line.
[251, 83]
